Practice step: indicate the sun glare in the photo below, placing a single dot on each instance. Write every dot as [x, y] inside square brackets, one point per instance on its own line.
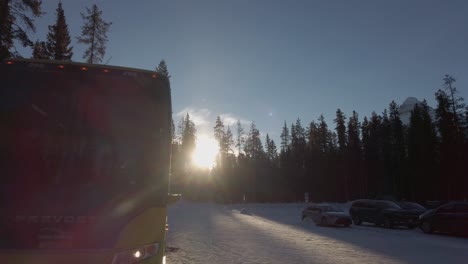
[205, 152]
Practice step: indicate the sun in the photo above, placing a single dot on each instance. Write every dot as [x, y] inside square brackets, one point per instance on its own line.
[205, 153]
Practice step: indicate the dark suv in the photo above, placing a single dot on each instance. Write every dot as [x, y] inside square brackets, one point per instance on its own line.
[449, 218]
[384, 213]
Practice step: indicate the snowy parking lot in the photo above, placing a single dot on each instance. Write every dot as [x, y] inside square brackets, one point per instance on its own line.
[274, 233]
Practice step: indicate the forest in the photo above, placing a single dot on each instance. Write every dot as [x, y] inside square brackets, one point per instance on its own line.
[372, 157]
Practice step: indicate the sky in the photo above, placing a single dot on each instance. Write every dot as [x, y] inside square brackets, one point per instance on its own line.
[272, 61]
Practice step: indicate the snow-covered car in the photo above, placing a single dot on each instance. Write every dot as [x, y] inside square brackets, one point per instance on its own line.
[326, 214]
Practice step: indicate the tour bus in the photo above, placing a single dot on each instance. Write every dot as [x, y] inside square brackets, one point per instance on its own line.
[85, 159]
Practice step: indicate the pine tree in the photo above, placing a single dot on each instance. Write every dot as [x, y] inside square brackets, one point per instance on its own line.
[354, 158]
[387, 181]
[219, 132]
[224, 139]
[451, 142]
[365, 131]
[354, 142]
[422, 154]
[228, 140]
[374, 153]
[188, 138]
[239, 137]
[312, 136]
[285, 138]
[323, 136]
[375, 136]
[253, 144]
[340, 129]
[58, 39]
[299, 139]
[398, 151]
[15, 22]
[94, 34]
[455, 102]
[271, 151]
[162, 69]
[333, 144]
[298, 144]
[40, 51]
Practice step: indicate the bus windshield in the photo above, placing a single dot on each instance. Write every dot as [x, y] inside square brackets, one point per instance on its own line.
[73, 142]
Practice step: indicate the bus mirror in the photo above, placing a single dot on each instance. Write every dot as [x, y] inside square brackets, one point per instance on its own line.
[173, 198]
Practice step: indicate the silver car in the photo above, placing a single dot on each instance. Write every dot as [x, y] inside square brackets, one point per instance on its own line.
[326, 214]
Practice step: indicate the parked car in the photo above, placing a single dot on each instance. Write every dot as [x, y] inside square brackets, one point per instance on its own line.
[448, 218]
[386, 213]
[325, 214]
[413, 206]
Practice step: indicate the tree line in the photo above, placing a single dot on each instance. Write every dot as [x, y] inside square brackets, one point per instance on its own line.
[17, 19]
[372, 157]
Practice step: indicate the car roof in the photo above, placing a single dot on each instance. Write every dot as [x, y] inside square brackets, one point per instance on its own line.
[364, 200]
[75, 63]
[453, 203]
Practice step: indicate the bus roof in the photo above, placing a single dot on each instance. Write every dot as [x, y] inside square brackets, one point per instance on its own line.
[80, 64]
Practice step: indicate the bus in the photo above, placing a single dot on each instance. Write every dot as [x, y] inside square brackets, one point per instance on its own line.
[85, 160]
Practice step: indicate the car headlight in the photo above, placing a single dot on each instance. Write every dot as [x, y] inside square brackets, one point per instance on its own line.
[134, 255]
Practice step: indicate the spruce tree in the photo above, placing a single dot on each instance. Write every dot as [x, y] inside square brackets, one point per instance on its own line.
[271, 151]
[365, 131]
[422, 154]
[162, 69]
[16, 20]
[253, 144]
[354, 157]
[375, 154]
[219, 131]
[323, 135]
[354, 142]
[94, 34]
[58, 38]
[298, 143]
[456, 103]
[340, 129]
[239, 137]
[40, 51]
[451, 144]
[387, 180]
[285, 138]
[228, 140]
[312, 136]
[254, 153]
[188, 138]
[398, 152]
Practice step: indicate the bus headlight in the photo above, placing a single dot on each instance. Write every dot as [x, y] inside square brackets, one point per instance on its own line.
[136, 254]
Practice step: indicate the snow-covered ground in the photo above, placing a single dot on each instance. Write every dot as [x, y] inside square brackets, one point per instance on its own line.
[273, 233]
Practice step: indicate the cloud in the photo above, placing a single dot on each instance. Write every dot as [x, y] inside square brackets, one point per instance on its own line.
[231, 120]
[204, 119]
[200, 117]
